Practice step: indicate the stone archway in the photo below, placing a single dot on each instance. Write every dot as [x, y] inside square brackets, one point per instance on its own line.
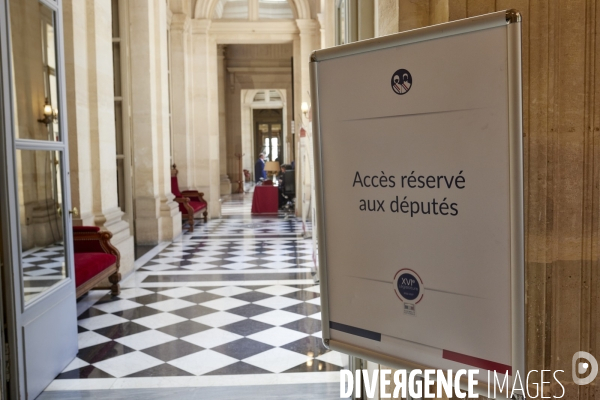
[204, 9]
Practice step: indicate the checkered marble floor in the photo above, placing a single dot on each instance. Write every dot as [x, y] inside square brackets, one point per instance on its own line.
[234, 298]
[42, 268]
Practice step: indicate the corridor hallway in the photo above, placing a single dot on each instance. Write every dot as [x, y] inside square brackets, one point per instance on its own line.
[228, 311]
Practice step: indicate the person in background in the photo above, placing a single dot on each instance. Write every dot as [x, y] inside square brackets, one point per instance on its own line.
[259, 168]
[280, 183]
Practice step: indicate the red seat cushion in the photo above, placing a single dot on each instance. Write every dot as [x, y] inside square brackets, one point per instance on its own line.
[197, 205]
[88, 265]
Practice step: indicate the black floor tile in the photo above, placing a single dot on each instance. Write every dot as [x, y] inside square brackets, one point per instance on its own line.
[314, 366]
[86, 372]
[303, 309]
[303, 295]
[150, 298]
[306, 325]
[91, 312]
[121, 330]
[306, 345]
[249, 310]
[103, 351]
[242, 348]
[172, 350]
[193, 311]
[160, 370]
[252, 296]
[246, 327]
[238, 368]
[184, 328]
[138, 312]
[201, 297]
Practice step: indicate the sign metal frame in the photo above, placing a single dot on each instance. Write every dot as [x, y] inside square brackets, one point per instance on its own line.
[512, 20]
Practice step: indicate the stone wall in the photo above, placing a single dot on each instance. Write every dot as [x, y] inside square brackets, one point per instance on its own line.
[562, 167]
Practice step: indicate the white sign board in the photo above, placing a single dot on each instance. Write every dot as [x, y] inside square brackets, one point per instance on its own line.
[418, 156]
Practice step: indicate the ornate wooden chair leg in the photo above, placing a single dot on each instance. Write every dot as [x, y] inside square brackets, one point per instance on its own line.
[115, 278]
[191, 223]
[205, 214]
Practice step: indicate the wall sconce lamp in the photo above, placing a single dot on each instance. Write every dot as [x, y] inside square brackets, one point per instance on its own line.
[50, 115]
[304, 108]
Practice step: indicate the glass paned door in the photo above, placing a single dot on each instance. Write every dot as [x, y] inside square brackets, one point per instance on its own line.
[38, 276]
[41, 209]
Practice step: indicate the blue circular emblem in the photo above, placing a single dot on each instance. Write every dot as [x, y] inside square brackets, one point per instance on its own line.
[401, 81]
[408, 286]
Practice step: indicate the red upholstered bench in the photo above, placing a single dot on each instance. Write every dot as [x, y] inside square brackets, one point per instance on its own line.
[95, 259]
[191, 202]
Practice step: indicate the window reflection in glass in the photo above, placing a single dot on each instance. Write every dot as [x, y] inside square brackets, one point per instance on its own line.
[34, 67]
[39, 187]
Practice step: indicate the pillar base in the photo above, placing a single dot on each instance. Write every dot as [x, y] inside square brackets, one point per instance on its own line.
[225, 185]
[158, 220]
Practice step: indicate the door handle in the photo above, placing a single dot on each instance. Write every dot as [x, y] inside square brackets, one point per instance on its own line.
[74, 212]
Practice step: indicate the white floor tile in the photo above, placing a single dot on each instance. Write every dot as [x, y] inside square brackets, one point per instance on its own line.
[211, 338]
[170, 305]
[90, 338]
[277, 360]
[158, 267]
[278, 265]
[76, 364]
[101, 321]
[316, 301]
[278, 290]
[315, 289]
[166, 260]
[277, 317]
[243, 252]
[143, 340]
[224, 303]
[180, 292]
[218, 319]
[315, 316]
[335, 358]
[229, 291]
[277, 302]
[277, 336]
[118, 305]
[159, 320]
[238, 266]
[127, 364]
[240, 258]
[134, 292]
[203, 259]
[203, 362]
[278, 258]
[198, 267]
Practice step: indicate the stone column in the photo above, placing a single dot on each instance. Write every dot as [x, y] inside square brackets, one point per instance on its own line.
[157, 215]
[91, 120]
[181, 96]
[225, 182]
[309, 30]
[206, 116]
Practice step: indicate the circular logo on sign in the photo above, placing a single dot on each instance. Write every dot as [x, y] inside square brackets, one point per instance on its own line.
[401, 81]
[408, 286]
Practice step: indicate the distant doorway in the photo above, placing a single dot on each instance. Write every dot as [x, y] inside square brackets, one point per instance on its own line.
[268, 137]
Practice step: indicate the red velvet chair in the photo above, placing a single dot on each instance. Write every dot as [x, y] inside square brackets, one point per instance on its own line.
[95, 259]
[191, 202]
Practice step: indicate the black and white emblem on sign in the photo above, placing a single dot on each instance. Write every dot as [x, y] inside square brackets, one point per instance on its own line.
[401, 81]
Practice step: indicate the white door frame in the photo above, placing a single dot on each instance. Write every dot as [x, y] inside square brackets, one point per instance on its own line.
[55, 308]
